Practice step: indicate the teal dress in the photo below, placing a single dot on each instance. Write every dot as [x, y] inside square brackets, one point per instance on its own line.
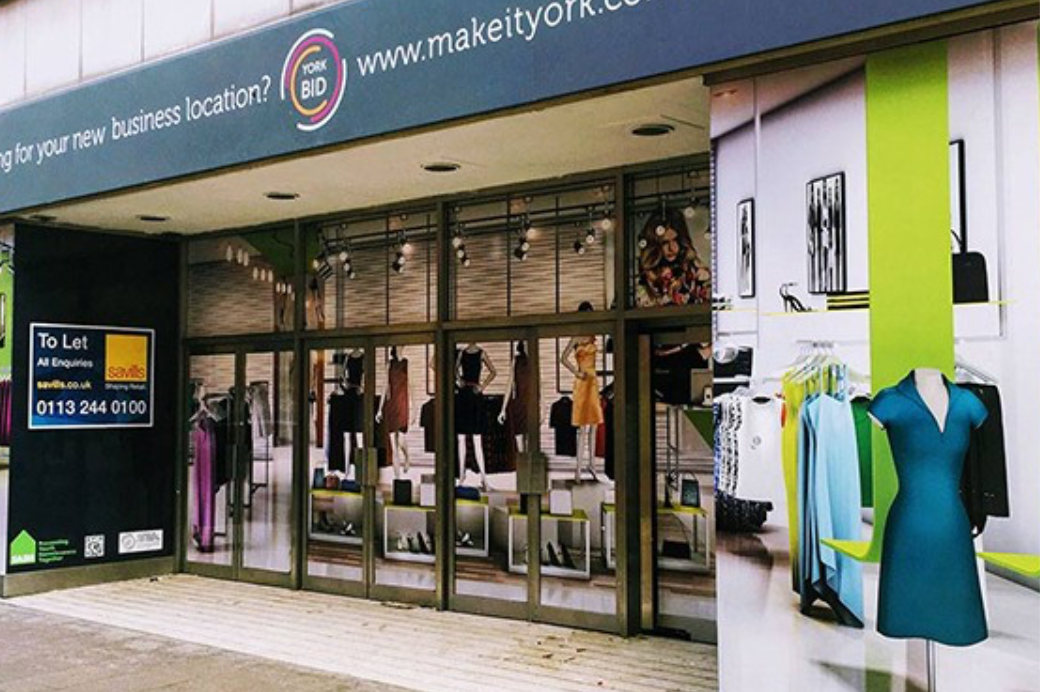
[929, 583]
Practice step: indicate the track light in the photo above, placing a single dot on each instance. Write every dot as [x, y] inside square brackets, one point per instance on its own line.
[466, 262]
[456, 242]
[590, 235]
[579, 247]
[460, 251]
[608, 223]
[344, 257]
[520, 254]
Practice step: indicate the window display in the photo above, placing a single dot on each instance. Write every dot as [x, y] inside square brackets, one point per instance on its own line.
[902, 513]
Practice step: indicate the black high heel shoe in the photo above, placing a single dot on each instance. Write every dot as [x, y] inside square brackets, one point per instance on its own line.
[791, 302]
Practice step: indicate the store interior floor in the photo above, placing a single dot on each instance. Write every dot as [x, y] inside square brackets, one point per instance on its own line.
[415, 648]
[763, 636]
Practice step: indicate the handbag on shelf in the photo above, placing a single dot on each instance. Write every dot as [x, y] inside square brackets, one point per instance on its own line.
[970, 274]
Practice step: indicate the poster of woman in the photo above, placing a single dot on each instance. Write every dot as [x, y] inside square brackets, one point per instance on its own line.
[670, 270]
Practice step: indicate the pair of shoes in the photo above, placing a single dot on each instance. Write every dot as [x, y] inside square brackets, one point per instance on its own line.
[402, 544]
[558, 556]
[463, 540]
[425, 544]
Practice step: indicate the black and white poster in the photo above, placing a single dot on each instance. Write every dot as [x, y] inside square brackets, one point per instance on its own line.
[746, 248]
[827, 243]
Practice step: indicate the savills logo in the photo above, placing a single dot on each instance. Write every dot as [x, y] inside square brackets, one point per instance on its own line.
[314, 79]
[126, 358]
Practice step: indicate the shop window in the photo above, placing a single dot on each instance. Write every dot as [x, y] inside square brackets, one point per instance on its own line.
[241, 284]
[373, 271]
[669, 221]
[534, 254]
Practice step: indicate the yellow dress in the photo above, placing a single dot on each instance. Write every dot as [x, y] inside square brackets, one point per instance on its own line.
[587, 408]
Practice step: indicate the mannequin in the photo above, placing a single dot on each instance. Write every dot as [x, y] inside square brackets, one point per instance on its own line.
[929, 585]
[474, 371]
[346, 414]
[518, 391]
[395, 404]
[587, 411]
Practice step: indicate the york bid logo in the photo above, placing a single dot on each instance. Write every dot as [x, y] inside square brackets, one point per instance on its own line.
[314, 79]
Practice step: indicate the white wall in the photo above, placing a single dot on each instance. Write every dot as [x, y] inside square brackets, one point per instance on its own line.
[1004, 184]
[46, 45]
[814, 135]
[995, 108]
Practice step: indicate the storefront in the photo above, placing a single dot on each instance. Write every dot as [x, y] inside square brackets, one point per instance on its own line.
[418, 308]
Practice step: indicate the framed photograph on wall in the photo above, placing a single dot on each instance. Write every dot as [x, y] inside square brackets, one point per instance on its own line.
[746, 248]
[827, 241]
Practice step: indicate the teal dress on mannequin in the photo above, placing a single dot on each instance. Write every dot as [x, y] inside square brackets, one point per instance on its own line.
[929, 583]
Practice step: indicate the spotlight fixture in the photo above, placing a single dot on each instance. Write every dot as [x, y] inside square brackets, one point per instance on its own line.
[153, 218]
[520, 254]
[456, 242]
[642, 243]
[282, 196]
[579, 247]
[460, 252]
[607, 224]
[467, 262]
[344, 257]
[590, 236]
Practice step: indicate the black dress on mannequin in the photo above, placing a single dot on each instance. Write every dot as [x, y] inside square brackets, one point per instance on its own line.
[470, 416]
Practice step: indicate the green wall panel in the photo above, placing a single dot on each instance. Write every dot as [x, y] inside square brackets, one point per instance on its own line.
[911, 284]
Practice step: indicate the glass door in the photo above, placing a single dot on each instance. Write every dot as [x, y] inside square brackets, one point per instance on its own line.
[534, 513]
[240, 466]
[340, 456]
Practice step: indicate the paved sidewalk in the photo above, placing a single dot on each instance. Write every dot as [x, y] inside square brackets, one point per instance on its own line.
[42, 652]
[413, 648]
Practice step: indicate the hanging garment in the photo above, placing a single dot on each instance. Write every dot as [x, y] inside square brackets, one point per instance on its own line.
[498, 444]
[984, 487]
[258, 398]
[829, 503]
[733, 515]
[427, 420]
[204, 442]
[608, 424]
[929, 583]
[794, 395]
[587, 409]
[728, 419]
[560, 415]
[523, 391]
[470, 405]
[865, 449]
[396, 413]
[5, 413]
[672, 374]
[760, 475]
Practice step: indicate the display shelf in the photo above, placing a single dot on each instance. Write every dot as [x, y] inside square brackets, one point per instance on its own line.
[408, 521]
[1026, 565]
[700, 538]
[473, 517]
[571, 531]
[344, 507]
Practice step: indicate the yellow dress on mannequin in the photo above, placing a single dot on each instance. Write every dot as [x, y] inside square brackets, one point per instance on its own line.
[587, 407]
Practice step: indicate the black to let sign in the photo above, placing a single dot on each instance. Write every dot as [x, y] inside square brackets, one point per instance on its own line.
[90, 377]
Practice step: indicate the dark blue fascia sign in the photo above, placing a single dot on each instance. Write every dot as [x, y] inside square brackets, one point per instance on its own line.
[90, 377]
[370, 67]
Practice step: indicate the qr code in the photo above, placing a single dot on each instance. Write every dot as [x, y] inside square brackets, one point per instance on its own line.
[94, 546]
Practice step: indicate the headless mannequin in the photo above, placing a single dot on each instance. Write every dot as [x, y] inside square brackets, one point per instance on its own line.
[353, 442]
[931, 387]
[586, 433]
[401, 458]
[478, 442]
[521, 437]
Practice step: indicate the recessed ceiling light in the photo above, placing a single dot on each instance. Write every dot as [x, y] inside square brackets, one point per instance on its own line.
[441, 167]
[282, 196]
[153, 218]
[43, 218]
[653, 130]
[725, 93]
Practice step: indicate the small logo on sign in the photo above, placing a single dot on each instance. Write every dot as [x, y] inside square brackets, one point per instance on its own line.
[126, 358]
[23, 550]
[314, 79]
[140, 541]
[94, 547]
